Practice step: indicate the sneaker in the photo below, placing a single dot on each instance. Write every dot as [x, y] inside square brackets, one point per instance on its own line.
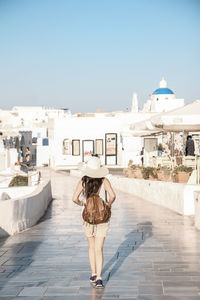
[99, 284]
[93, 279]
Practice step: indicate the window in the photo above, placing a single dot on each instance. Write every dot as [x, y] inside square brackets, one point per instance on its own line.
[66, 147]
[76, 147]
[99, 146]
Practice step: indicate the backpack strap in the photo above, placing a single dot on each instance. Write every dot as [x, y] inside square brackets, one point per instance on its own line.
[106, 197]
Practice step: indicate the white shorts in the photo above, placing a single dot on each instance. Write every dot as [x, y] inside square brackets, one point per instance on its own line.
[98, 230]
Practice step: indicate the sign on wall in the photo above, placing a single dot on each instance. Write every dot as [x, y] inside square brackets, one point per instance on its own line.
[111, 144]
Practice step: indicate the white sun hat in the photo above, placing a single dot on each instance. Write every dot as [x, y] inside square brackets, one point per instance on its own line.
[93, 168]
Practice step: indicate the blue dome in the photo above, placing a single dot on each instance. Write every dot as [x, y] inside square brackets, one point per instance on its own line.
[163, 91]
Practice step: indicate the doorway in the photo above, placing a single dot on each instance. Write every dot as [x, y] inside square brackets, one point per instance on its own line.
[87, 149]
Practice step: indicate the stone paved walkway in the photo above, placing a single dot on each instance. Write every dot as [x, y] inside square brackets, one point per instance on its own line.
[150, 253]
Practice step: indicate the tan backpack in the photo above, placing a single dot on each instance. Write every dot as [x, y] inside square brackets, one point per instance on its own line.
[96, 211]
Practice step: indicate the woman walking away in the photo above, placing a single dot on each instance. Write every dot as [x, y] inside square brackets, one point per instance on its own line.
[96, 213]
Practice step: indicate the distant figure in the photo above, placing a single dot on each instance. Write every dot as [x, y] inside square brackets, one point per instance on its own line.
[142, 155]
[28, 156]
[20, 156]
[189, 149]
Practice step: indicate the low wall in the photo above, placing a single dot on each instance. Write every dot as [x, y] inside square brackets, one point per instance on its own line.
[23, 212]
[178, 197]
[20, 191]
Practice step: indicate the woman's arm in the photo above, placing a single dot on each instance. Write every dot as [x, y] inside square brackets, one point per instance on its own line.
[109, 190]
[77, 193]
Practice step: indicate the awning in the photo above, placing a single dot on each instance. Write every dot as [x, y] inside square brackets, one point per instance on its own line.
[181, 127]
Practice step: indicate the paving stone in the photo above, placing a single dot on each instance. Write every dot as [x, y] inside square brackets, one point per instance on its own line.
[188, 290]
[150, 297]
[67, 297]
[56, 282]
[169, 284]
[145, 254]
[33, 291]
[60, 291]
[146, 289]
[21, 298]
[10, 291]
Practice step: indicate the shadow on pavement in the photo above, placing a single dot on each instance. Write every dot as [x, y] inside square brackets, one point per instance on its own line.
[133, 241]
[18, 257]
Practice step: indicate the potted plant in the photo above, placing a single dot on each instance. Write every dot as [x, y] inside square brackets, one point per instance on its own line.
[137, 171]
[149, 173]
[19, 180]
[182, 173]
[164, 173]
[128, 172]
[133, 171]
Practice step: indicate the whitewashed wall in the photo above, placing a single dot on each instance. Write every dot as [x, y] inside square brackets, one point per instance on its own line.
[91, 128]
[23, 212]
[175, 196]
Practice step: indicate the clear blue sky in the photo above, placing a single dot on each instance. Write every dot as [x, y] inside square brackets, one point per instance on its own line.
[89, 54]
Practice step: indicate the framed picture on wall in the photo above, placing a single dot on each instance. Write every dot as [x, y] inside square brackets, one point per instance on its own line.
[99, 146]
[66, 147]
[76, 147]
[111, 144]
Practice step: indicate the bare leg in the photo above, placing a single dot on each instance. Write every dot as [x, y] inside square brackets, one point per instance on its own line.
[91, 254]
[99, 241]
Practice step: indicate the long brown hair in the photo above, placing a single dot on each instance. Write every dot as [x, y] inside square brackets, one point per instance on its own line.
[91, 185]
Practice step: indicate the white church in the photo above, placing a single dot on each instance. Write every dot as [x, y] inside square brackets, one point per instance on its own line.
[162, 100]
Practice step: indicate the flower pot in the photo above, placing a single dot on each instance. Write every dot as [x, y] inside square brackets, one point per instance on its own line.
[181, 177]
[137, 173]
[152, 178]
[128, 173]
[163, 176]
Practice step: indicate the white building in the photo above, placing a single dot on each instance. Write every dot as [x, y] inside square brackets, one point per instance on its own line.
[162, 99]
[72, 139]
[64, 140]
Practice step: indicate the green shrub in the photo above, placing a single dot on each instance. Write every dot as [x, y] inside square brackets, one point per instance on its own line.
[132, 166]
[147, 171]
[182, 168]
[19, 181]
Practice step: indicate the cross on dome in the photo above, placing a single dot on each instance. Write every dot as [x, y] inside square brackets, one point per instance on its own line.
[163, 83]
[163, 89]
